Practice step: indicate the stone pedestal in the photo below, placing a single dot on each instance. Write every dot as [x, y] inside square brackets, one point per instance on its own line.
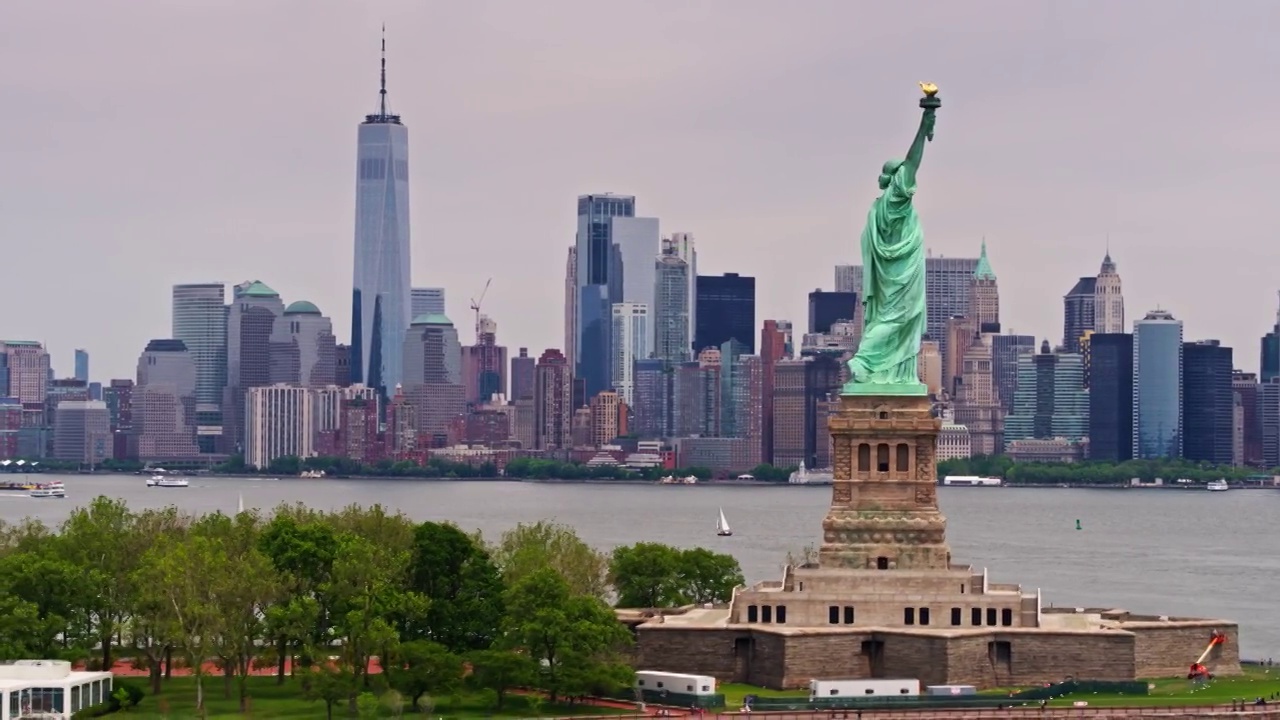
[884, 503]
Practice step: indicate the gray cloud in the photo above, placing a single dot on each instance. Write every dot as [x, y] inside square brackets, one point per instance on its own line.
[148, 143]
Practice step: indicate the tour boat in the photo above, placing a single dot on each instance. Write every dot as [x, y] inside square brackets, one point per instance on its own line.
[722, 525]
[1218, 486]
[167, 482]
[53, 489]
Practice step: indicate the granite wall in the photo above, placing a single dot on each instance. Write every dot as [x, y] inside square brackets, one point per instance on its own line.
[1164, 651]
[1032, 658]
[997, 658]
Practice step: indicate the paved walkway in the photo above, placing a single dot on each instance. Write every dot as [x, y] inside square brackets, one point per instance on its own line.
[125, 668]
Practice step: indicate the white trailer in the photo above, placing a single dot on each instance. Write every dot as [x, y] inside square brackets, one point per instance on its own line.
[679, 683]
[937, 690]
[819, 689]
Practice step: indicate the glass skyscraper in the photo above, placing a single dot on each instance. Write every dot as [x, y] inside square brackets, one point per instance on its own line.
[1157, 386]
[1111, 397]
[200, 322]
[1050, 401]
[82, 365]
[726, 311]
[426, 301]
[380, 298]
[672, 299]
[631, 335]
[615, 253]
[1208, 403]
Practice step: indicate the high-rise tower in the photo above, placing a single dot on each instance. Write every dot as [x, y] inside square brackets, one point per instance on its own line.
[1108, 299]
[1208, 403]
[200, 322]
[380, 296]
[613, 264]
[1270, 357]
[984, 295]
[1157, 386]
[681, 245]
[672, 300]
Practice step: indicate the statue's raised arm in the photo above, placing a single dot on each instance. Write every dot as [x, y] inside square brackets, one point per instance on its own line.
[930, 103]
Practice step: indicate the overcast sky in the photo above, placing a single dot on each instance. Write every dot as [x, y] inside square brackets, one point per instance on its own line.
[150, 142]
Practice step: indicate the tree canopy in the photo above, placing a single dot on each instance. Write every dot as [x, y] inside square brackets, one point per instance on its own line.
[350, 602]
[652, 575]
[1091, 472]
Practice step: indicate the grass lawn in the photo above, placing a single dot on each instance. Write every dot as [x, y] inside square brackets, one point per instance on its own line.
[1256, 682]
[734, 692]
[269, 700]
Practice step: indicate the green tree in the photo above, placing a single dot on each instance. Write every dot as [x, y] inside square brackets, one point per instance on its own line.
[101, 540]
[419, 667]
[145, 630]
[526, 549]
[330, 686]
[55, 588]
[367, 706]
[28, 534]
[244, 591]
[653, 575]
[182, 578]
[574, 638]
[647, 575]
[21, 632]
[500, 671]
[367, 589]
[302, 548]
[285, 465]
[454, 572]
[708, 577]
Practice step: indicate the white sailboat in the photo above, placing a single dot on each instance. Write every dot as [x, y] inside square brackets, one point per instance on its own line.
[722, 525]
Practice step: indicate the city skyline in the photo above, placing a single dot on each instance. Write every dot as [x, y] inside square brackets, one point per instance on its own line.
[195, 190]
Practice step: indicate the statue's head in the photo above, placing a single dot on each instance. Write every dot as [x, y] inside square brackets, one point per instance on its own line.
[886, 174]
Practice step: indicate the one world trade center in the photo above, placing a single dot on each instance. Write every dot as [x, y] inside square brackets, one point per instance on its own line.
[380, 304]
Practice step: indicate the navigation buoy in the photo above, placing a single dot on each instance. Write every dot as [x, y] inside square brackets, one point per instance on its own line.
[1078, 525]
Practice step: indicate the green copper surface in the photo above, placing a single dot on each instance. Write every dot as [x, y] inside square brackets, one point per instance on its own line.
[983, 270]
[893, 278]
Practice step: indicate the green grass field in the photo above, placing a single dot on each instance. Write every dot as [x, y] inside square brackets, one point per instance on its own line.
[1256, 682]
[269, 700]
[734, 692]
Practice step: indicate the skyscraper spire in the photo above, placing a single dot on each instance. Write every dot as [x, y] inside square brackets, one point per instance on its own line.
[382, 91]
[983, 269]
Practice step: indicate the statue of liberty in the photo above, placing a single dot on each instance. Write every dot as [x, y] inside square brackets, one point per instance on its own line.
[893, 276]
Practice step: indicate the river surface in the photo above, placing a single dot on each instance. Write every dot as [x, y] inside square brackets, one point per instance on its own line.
[1189, 553]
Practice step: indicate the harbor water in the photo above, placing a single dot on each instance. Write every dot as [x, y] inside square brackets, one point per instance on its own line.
[1179, 553]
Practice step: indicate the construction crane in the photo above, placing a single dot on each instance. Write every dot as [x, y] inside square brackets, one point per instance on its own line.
[475, 305]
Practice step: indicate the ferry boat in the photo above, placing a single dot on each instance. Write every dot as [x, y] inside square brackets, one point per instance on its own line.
[1218, 486]
[972, 481]
[167, 482]
[802, 476]
[54, 489]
